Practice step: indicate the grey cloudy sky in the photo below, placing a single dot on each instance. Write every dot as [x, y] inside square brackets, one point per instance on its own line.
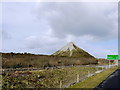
[45, 27]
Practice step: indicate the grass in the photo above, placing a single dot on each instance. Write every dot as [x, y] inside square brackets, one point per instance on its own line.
[95, 80]
[46, 78]
[0, 81]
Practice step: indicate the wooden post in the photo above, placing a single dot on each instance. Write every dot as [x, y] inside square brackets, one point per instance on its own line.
[109, 63]
[77, 77]
[106, 67]
[60, 84]
[97, 68]
[88, 73]
[102, 68]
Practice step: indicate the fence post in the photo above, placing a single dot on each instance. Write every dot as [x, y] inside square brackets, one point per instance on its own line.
[77, 77]
[88, 73]
[109, 64]
[102, 68]
[60, 84]
[98, 69]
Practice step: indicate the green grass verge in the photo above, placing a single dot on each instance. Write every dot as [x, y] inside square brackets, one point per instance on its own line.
[95, 80]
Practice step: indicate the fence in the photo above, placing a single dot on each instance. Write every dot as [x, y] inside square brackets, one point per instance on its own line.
[78, 79]
[63, 77]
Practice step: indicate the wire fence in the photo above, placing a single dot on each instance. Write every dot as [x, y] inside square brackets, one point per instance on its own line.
[60, 77]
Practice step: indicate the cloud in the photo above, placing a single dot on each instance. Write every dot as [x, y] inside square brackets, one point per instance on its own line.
[45, 42]
[5, 35]
[98, 20]
[81, 23]
[47, 27]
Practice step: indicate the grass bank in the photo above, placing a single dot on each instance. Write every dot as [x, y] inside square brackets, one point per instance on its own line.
[54, 78]
[95, 80]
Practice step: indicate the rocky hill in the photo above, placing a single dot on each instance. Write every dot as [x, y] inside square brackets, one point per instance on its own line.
[71, 50]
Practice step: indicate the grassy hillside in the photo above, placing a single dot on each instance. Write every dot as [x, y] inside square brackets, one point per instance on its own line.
[23, 60]
[79, 53]
[104, 61]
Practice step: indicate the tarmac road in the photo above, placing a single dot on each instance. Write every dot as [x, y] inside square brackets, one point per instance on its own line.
[113, 81]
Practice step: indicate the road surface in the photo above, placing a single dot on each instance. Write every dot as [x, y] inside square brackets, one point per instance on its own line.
[113, 81]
